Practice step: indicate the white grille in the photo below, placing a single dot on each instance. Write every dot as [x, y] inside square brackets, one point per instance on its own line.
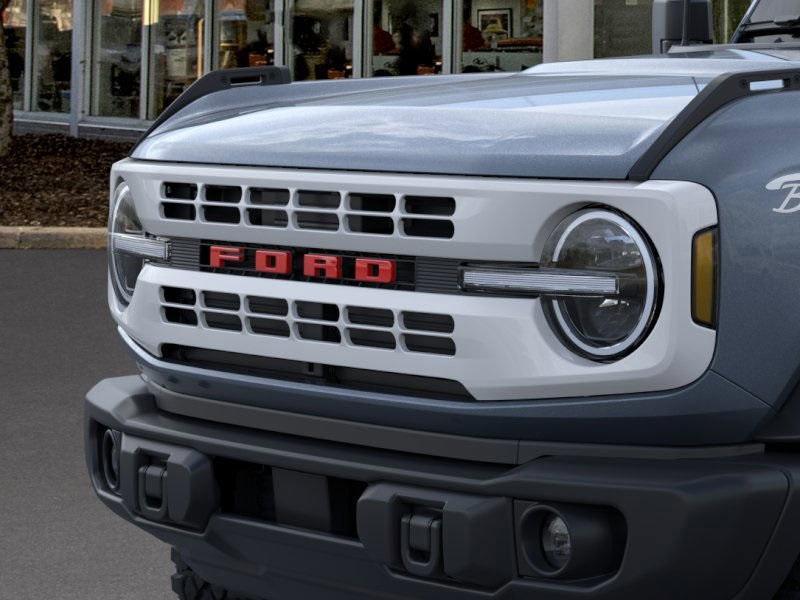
[310, 210]
[504, 347]
[302, 320]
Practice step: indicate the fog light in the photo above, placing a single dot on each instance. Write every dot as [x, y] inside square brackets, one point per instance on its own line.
[110, 449]
[568, 541]
[556, 542]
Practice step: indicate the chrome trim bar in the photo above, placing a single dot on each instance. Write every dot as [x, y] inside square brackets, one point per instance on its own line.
[141, 246]
[555, 282]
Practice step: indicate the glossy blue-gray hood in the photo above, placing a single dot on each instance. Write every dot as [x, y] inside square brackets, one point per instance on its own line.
[562, 121]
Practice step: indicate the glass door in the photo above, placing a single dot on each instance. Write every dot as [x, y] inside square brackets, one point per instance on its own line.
[320, 38]
[52, 59]
[504, 36]
[407, 37]
[15, 25]
[244, 33]
[117, 66]
[177, 50]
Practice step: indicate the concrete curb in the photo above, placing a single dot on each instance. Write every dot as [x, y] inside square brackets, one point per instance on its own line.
[53, 238]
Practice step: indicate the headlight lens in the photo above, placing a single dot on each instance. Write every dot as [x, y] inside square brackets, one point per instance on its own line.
[603, 327]
[129, 245]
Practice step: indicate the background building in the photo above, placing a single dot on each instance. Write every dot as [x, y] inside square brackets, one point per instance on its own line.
[106, 66]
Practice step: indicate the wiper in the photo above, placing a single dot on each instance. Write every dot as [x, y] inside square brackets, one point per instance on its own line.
[781, 22]
[787, 21]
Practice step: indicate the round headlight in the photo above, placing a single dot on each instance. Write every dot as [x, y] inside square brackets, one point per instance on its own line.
[603, 327]
[124, 227]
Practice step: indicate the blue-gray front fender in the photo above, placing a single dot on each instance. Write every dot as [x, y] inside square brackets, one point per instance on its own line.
[736, 154]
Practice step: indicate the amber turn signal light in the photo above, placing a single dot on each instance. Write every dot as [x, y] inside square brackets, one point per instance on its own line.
[704, 277]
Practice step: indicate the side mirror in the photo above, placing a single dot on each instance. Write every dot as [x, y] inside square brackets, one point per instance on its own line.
[670, 28]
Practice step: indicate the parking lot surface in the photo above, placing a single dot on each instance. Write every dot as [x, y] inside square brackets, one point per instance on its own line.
[57, 542]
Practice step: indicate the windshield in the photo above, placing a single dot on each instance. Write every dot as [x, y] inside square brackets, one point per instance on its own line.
[771, 22]
[767, 11]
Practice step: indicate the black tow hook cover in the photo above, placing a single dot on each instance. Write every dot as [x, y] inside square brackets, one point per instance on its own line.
[400, 526]
[167, 483]
[152, 493]
[421, 544]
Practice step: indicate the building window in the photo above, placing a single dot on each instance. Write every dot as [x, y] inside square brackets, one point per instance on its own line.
[52, 57]
[406, 37]
[15, 21]
[623, 27]
[244, 33]
[117, 67]
[176, 52]
[320, 39]
[501, 35]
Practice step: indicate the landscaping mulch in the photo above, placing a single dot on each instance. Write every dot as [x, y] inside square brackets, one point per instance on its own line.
[56, 180]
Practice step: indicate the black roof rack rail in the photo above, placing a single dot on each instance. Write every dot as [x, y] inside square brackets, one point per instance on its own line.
[722, 90]
[216, 81]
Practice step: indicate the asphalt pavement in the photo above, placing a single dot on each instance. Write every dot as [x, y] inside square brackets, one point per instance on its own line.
[57, 542]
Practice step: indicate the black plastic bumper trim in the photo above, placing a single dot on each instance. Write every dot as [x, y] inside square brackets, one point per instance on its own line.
[486, 450]
[709, 528]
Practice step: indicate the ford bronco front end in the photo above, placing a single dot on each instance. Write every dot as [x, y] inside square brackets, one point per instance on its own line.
[501, 336]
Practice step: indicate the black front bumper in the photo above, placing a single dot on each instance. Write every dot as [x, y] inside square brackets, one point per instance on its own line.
[284, 516]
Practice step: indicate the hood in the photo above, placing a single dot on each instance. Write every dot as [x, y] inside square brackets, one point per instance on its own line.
[586, 120]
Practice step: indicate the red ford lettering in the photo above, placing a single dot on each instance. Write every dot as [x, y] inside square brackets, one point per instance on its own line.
[376, 270]
[322, 265]
[277, 262]
[219, 256]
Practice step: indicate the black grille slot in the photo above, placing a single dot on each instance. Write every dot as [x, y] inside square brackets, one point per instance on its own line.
[317, 374]
[372, 339]
[317, 311]
[429, 345]
[248, 490]
[375, 317]
[180, 191]
[429, 205]
[181, 316]
[223, 193]
[184, 253]
[182, 212]
[268, 306]
[431, 228]
[269, 196]
[372, 202]
[374, 225]
[175, 295]
[428, 322]
[222, 321]
[319, 199]
[318, 221]
[274, 327]
[437, 275]
[344, 496]
[268, 218]
[221, 214]
[221, 300]
[245, 489]
[319, 333]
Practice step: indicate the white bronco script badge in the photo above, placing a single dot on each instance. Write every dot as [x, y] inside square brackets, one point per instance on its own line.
[792, 184]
